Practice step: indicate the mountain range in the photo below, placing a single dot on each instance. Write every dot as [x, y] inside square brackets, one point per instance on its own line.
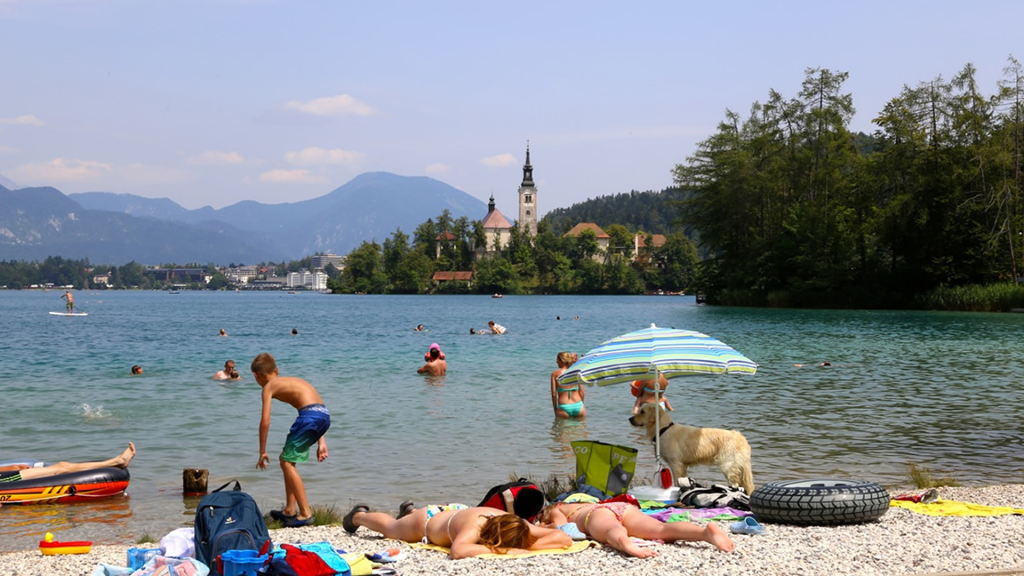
[117, 228]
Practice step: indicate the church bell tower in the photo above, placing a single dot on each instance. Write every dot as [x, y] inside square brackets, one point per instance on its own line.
[528, 199]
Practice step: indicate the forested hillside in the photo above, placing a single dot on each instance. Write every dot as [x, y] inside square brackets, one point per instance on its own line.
[637, 211]
[796, 210]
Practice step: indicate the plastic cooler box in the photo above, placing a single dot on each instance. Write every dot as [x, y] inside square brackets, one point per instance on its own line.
[137, 557]
[241, 562]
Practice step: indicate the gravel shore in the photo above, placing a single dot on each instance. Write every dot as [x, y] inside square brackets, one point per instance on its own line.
[901, 542]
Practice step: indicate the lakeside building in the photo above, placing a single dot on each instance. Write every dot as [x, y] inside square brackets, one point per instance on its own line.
[322, 260]
[315, 280]
[179, 276]
[497, 229]
[528, 199]
[242, 274]
[270, 283]
[443, 239]
[602, 239]
[640, 243]
[459, 276]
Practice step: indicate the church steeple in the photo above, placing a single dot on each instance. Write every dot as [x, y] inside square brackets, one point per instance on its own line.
[527, 168]
[528, 198]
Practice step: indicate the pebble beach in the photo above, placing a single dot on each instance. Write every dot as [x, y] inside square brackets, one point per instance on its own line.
[901, 542]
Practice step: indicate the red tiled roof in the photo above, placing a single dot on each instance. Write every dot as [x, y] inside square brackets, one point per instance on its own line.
[587, 226]
[445, 276]
[445, 236]
[657, 239]
[496, 219]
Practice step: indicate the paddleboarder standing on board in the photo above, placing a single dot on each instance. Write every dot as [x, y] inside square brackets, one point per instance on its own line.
[71, 301]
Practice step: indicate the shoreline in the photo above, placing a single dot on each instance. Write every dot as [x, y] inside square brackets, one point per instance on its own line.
[901, 542]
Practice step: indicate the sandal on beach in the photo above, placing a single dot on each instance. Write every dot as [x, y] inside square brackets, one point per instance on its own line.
[404, 509]
[296, 522]
[347, 523]
[281, 517]
[747, 526]
[387, 556]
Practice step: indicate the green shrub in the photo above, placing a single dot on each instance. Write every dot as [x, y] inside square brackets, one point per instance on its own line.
[1000, 297]
[922, 478]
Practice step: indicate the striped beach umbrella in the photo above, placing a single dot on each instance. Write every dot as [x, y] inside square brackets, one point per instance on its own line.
[644, 354]
[672, 353]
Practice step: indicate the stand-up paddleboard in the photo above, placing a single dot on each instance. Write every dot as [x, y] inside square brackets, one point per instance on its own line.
[70, 313]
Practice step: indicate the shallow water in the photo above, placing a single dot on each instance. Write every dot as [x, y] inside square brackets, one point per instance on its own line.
[941, 390]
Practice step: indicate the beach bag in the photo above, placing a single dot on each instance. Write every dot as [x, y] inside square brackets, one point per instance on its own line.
[607, 467]
[521, 497]
[714, 496]
[228, 520]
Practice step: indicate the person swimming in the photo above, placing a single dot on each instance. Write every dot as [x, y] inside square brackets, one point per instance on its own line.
[136, 369]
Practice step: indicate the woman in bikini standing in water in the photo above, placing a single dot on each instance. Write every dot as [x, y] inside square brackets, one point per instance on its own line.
[566, 400]
[616, 523]
[467, 531]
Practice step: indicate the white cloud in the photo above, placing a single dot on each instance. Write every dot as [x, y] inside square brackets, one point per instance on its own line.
[23, 120]
[499, 160]
[334, 106]
[438, 168]
[317, 156]
[142, 174]
[61, 170]
[215, 158]
[279, 176]
[4, 149]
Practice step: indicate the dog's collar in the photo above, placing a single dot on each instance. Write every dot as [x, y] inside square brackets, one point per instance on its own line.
[662, 431]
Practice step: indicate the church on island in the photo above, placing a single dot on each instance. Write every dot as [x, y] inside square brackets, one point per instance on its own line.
[497, 228]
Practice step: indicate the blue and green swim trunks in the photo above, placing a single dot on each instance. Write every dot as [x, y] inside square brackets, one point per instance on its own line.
[311, 423]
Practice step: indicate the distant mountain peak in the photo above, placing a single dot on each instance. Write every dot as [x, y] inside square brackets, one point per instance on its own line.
[7, 183]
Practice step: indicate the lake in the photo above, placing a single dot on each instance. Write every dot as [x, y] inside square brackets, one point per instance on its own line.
[940, 390]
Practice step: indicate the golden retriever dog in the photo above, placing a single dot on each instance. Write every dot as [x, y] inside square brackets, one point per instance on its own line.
[683, 446]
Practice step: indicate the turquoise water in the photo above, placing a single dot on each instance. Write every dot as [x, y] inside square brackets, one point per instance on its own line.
[941, 390]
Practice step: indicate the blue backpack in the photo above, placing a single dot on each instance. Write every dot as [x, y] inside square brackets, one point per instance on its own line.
[228, 520]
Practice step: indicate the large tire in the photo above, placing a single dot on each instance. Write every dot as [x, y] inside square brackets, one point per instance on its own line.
[822, 501]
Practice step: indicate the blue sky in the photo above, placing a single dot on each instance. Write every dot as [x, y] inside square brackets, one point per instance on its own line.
[216, 101]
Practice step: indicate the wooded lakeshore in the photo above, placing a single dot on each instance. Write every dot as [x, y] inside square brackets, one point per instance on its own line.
[796, 210]
[783, 207]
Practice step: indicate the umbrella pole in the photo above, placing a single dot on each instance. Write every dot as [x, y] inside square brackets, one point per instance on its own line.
[657, 420]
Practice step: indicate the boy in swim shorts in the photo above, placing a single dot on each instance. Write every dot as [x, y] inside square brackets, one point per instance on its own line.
[309, 428]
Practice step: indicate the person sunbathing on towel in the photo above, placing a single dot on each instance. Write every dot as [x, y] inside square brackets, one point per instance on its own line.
[467, 531]
[617, 523]
[16, 472]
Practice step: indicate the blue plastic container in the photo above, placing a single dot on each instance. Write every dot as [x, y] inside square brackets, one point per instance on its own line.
[242, 562]
[137, 557]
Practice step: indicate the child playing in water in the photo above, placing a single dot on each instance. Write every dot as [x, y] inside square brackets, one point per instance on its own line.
[309, 428]
[616, 523]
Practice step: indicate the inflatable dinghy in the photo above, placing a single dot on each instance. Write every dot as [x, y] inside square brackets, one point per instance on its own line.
[71, 487]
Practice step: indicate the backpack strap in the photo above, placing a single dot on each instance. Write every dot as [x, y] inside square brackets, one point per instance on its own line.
[237, 488]
[509, 499]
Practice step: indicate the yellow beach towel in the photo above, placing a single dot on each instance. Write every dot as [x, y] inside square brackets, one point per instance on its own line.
[576, 547]
[954, 508]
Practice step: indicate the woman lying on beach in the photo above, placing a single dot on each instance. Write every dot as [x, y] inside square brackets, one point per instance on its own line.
[16, 472]
[467, 531]
[616, 523]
